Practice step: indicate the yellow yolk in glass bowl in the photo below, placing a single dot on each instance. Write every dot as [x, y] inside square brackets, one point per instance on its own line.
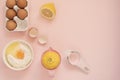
[51, 59]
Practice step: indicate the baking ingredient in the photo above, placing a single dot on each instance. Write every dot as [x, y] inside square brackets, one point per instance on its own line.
[33, 32]
[10, 14]
[21, 24]
[22, 3]
[10, 3]
[18, 55]
[22, 13]
[51, 59]
[42, 40]
[11, 25]
[48, 11]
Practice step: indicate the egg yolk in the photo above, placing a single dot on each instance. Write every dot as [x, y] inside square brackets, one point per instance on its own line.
[20, 54]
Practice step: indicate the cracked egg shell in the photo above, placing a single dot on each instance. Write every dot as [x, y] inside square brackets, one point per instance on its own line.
[22, 14]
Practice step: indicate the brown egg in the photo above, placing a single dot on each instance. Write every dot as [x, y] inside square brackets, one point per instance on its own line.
[22, 3]
[11, 13]
[22, 14]
[10, 3]
[11, 25]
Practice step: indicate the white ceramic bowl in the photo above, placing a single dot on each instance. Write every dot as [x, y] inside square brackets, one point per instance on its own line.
[6, 62]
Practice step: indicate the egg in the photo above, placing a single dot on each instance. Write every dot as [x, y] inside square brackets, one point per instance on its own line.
[42, 40]
[10, 13]
[11, 25]
[22, 3]
[10, 3]
[20, 56]
[22, 14]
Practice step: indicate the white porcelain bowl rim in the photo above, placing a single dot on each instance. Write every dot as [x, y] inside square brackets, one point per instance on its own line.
[19, 69]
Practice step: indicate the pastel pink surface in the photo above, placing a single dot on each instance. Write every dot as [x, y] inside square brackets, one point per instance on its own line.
[90, 26]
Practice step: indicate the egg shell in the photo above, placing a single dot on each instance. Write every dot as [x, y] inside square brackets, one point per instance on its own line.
[10, 13]
[10, 3]
[50, 49]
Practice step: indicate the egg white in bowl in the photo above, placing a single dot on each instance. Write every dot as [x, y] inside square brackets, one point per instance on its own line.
[18, 55]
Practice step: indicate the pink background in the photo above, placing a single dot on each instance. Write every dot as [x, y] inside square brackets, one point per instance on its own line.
[90, 26]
